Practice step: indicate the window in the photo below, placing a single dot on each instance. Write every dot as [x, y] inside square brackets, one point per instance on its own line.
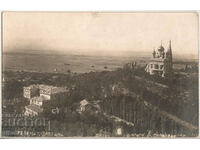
[151, 65]
[161, 66]
[156, 66]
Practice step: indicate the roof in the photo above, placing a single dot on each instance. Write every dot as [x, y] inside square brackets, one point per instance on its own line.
[53, 89]
[34, 108]
[48, 88]
[161, 48]
[84, 102]
[39, 98]
[59, 89]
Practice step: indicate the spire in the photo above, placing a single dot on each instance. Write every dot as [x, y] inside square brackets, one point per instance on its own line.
[170, 48]
[170, 54]
[170, 45]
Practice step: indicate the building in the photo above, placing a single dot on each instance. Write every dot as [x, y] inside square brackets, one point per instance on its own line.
[41, 95]
[161, 62]
[51, 92]
[83, 104]
[39, 101]
[92, 106]
[32, 110]
[31, 91]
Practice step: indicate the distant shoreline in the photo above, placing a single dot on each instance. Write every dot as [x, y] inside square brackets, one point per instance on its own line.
[117, 54]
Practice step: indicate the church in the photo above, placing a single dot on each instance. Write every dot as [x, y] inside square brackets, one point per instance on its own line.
[161, 61]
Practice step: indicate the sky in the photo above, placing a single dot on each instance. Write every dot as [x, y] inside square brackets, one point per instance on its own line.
[100, 32]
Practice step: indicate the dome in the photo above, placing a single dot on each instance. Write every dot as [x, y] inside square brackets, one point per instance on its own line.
[161, 48]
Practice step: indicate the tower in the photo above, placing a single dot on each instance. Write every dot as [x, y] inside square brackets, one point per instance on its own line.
[169, 56]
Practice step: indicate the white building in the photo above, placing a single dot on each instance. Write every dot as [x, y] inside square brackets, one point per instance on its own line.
[161, 62]
[85, 105]
[45, 94]
[31, 91]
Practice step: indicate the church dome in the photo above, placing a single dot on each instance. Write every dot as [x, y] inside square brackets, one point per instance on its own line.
[161, 48]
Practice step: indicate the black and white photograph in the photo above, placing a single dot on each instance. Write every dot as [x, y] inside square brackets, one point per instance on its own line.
[100, 74]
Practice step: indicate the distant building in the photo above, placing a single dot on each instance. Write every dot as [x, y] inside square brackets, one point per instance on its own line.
[40, 95]
[92, 106]
[83, 104]
[161, 62]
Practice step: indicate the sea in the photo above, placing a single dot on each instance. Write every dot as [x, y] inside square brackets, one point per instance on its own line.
[65, 62]
[36, 61]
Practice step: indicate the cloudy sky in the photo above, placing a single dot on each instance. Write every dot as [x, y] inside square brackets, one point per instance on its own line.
[108, 32]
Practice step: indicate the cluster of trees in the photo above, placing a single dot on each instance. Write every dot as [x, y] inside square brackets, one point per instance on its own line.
[180, 98]
[145, 119]
[12, 89]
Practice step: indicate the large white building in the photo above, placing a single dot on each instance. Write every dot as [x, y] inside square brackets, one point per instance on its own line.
[39, 95]
[161, 62]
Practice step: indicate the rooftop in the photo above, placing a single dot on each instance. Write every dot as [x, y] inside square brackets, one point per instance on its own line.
[48, 88]
[34, 108]
[84, 102]
[39, 98]
[53, 89]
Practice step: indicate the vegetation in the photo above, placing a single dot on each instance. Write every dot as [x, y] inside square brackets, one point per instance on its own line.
[178, 96]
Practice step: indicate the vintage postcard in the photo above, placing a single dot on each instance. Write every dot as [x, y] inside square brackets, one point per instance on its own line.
[100, 74]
